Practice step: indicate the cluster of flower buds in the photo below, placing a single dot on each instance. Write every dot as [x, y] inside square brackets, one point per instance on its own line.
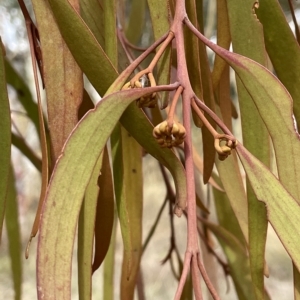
[224, 149]
[169, 136]
[146, 80]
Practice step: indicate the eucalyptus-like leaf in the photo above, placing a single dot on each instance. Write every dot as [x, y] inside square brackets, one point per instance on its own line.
[248, 40]
[104, 212]
[86, 229]
[62, 76]
[281, 45]
[283, 211]
[14, 236]
[5, 140]
[69, 180]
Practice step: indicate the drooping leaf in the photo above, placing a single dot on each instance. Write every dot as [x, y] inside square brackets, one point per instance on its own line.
[159, 12]
[5, 140]
[105, 212]
[223, 40]
[283, 210]
[128, 183]
[248, 40]
[88, 53]
[233, 185]
[86, 228]
[79, 157]
[136, 22]
[62, 76]
[280, 44]
[92, 13]
[14, 236]
[109, 267]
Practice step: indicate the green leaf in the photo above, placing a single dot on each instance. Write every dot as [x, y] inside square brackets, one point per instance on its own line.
[109, 267]
[137, 18]
[280, 45]
[283, 210]
[93, 15]
[86, 227]
[159, 12]
[128, 183]
[233, 185]
[69, 180]
[223, 40]
[247, 39]
[5, 140]
[14, 236]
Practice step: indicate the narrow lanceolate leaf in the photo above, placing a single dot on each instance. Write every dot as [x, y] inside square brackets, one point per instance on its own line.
[233, 185]
[92, 14]
[282, 209]
[128, 183]
[223, 40]
[280, 44]
[247, 39]
[13, 233]
[104, 213]
[109, 266]
[137, 18]
[69, 181]
[110, 34]
[159, 12]
[86, 226]
[63, 79]
[5, 140]
[88, 53]
[76, 34]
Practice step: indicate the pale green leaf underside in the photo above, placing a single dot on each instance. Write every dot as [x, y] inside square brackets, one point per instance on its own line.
[282, 209]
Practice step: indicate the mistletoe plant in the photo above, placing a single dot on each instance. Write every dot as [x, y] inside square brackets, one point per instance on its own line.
[75, 37]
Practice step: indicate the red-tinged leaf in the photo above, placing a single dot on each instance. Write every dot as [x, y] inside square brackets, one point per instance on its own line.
[283, 211]
[63, 79]
[5, 140]
[13, 234]
[69, 180]
[105, 212]
[84, 47]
